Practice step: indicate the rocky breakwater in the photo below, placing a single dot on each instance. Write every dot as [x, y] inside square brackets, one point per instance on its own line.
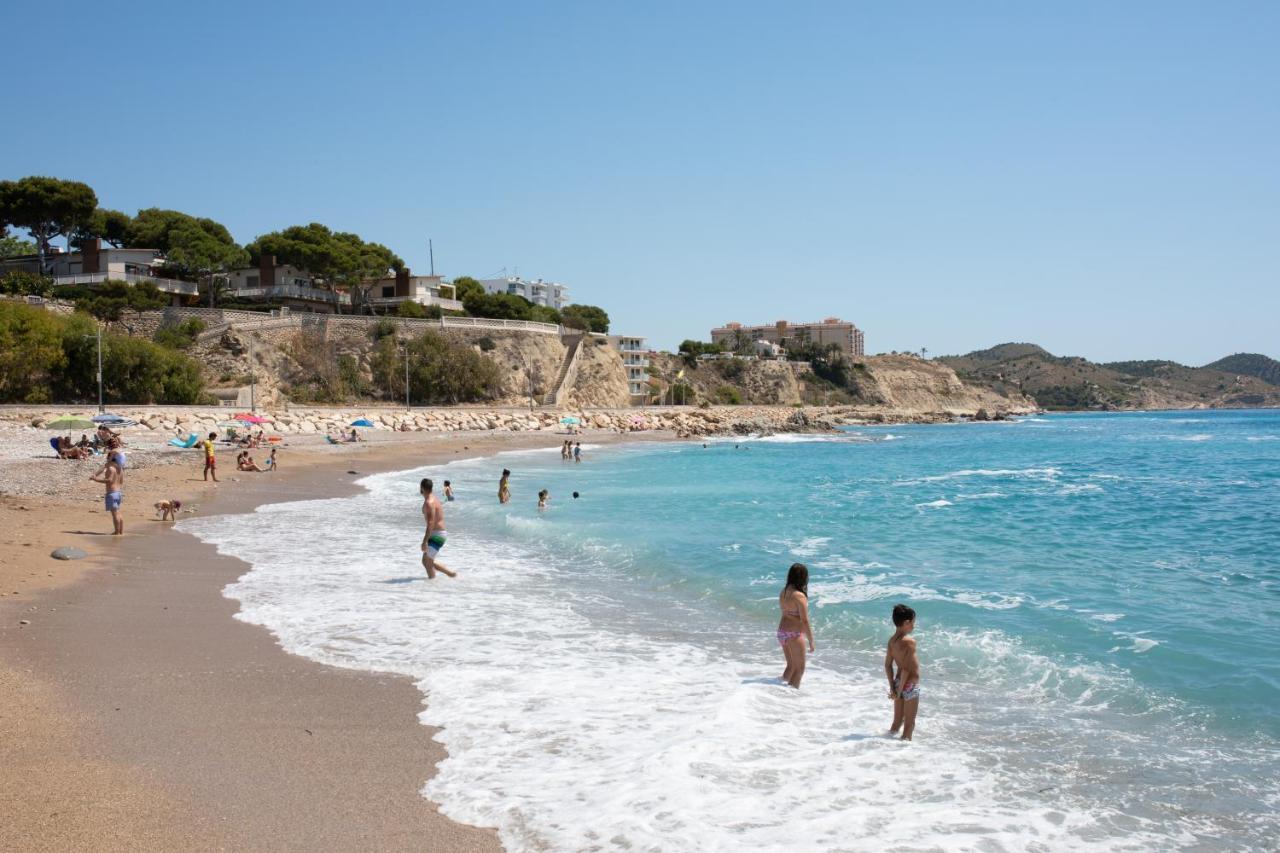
[164, 423]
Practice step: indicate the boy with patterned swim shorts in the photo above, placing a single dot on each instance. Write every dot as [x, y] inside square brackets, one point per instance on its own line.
[433, 540]
[904, 685]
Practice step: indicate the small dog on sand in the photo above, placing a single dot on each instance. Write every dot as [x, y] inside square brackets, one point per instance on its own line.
[168, 510]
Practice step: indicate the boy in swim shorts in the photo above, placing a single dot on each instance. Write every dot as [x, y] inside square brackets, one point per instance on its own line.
[904, 684]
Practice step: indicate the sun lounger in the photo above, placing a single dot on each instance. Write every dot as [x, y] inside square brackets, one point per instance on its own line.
[191, 441]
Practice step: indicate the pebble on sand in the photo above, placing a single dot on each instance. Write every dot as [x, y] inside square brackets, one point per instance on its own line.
[68, 554]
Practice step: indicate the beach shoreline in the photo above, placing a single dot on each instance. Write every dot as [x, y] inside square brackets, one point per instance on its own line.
[142, 715]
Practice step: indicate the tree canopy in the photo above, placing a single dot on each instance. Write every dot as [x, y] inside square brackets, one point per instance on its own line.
[46, 207]
[11, 245]
[192, 246]
[337, 257]
[110, 225]
[588, 317]
[465, 286]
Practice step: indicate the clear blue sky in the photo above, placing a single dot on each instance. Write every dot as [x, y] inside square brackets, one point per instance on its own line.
[1101, 178]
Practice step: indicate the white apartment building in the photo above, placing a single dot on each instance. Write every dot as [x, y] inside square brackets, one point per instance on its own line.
[635, 358]
[539, 292]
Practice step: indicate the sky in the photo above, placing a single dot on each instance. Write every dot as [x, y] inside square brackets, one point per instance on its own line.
[1100, 178]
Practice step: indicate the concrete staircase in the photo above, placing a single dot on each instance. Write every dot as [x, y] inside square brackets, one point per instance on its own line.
[568, 372]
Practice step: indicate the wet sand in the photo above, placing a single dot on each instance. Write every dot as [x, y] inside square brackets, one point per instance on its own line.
[137, 713]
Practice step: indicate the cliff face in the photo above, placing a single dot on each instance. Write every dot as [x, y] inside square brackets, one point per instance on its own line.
[902, 385]
[601, 381]
[905, 383]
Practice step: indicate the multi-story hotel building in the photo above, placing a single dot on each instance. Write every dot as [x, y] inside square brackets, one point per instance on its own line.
[832, 330]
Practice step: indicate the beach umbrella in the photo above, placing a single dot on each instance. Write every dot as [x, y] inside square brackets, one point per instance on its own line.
[69, 422]
[245, 417]
[570, 420]
[362, 422]
[110, 420]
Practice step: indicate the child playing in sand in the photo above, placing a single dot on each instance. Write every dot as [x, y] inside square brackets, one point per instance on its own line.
[904, 685]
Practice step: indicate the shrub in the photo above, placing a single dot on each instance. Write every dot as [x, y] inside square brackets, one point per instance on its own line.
[383, 329]
[23, 283]
[181, 336]
[728, 395]
[412, 309]
[108, 300]
[441, 370]
[45, 357]
[486, 344]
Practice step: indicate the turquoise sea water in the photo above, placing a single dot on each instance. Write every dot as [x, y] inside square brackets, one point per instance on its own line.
[1099, 628]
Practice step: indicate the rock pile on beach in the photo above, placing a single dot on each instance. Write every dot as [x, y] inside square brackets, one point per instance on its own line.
[684, 422]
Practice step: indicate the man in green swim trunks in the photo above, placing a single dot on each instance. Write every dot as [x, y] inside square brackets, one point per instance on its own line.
[433, 540]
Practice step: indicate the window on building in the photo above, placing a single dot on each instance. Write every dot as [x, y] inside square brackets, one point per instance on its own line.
[251, 281]
[388, 291]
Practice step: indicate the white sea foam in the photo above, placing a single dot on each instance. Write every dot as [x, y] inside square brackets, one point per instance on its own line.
[1107, 617]
[1262, 438]
[573, 721]
[939, 503]
[1006, 473]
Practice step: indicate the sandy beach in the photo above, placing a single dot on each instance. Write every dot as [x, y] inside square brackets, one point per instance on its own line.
[139, 714]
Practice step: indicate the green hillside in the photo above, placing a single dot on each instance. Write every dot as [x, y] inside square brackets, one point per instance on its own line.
[1072, 382]
[1250, 364]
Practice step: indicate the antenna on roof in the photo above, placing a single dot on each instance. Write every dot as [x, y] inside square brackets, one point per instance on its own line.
[432, 249]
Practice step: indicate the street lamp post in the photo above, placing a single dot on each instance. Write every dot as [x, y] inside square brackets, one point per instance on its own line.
[98, 335]
[406, 376]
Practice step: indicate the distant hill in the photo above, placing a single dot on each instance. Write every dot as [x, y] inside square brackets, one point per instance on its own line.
[1250, 364]
[1071, 382]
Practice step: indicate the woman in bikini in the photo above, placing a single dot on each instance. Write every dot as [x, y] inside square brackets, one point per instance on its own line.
[794, 628]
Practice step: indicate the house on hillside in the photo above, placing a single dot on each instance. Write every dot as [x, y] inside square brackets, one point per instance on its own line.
[92, 264]
[406, 287]
[284, 284]
[539, 292]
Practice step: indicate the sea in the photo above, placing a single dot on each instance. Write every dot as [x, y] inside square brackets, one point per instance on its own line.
[1098, 601]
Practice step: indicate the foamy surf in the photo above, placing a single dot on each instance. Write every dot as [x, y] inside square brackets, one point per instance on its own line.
[603, 672]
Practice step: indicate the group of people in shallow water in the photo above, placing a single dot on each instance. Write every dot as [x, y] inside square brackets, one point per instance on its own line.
[901, 663]
[795, 631]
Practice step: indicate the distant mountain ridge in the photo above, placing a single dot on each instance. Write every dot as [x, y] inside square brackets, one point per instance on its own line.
[1244, 380]
[1250, 364]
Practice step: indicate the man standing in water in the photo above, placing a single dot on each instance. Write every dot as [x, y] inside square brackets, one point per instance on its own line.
[111, 476]
[433, 540]
[904, 685]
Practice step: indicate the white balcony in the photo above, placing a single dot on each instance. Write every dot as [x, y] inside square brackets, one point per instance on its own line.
[167, 285]
[291, 291]
[445, 304]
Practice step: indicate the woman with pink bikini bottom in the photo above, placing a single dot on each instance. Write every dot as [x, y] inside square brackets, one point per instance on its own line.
[794, 628]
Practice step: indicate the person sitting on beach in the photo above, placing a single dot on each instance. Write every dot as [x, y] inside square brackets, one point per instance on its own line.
[244, 462]
[504, 489]
[67, 450]
[84, 442]
[435, 537]
[794, 628]
[543, 497]
[355, 436]
[904, 685]
[111, 475]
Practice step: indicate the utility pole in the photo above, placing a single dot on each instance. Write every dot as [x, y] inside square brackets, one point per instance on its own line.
[432, 249]
[406, 375]
[253, 381]
[101, 408]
